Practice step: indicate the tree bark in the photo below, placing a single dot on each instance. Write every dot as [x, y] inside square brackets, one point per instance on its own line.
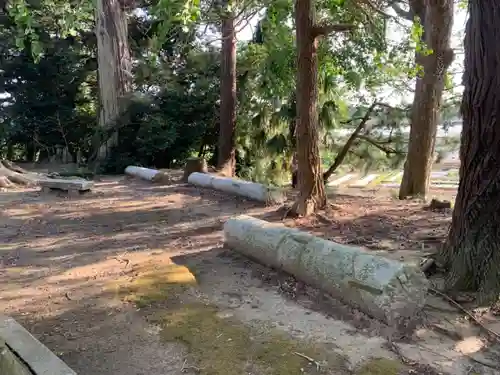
[10, 150]
[471, 253]
[30, 151]
[114, 68]
[312, 195]
[437, 19]
[226, 163]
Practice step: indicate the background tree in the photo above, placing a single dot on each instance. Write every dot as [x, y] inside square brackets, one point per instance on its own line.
[312, 194]
[433, 57]
[115, 71]
[174, 111]
[226, 154]
[471, 253]
[48, 102]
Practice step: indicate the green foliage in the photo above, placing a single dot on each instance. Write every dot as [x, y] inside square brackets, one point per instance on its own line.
[33, 21]
[361, 61]
[48, 68]
[164, 129]
[51, 99]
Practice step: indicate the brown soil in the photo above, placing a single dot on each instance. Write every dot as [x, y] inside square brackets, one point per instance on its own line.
[92, 278]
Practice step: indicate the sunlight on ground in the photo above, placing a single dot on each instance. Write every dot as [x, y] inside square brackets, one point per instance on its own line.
[219, 344]
[156, 281]
[21, 213]
[469, 345]
[9, 247]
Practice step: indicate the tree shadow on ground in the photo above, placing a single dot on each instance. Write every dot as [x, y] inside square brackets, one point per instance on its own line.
[399, 230]
[41, 231]
[92, 338]
[53, 245]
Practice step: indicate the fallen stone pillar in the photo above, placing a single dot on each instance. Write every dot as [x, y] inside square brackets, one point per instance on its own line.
[247, 189]
[141, 172]
[391, 291]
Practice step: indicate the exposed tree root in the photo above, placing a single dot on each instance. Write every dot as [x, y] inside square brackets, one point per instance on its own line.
[5, 182]
[495, 336]
[9, 165]
[12, 175]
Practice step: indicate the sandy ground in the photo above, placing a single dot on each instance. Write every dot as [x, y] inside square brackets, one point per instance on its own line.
[62, 257]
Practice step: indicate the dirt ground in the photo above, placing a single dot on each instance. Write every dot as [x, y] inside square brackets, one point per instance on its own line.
[132, 279]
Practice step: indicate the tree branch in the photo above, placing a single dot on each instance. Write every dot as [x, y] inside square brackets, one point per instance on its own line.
[343, 152]
[328, 28]
[406, 14]
[387, 150]
[352, 119]
[375, 8]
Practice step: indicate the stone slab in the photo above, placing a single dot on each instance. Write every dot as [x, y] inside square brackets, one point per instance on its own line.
[391, 291]
[68, 185]
[37, 357]
[10, 364]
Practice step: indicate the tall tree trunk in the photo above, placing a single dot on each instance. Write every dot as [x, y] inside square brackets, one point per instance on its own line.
[226, 162]
[437, 19]
[30, 151]
[10, 150]
[114, 68]
[472, 250]
[312, 194]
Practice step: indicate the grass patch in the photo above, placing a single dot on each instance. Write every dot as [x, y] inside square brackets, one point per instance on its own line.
[224, 346]
[381, 366]
[219, 344]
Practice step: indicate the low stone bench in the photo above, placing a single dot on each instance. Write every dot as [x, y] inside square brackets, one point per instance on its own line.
[22, 354]
[75, 186]
[391, 291]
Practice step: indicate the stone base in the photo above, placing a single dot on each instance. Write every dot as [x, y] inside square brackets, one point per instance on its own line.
[71, 187]
[70, 192]
[22, 354]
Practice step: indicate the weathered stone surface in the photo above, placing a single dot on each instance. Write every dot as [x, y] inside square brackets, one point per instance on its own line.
[10, 364]
[247, 189]
[141, 172]
[39, 359]
[69, 185]
[389, 290]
